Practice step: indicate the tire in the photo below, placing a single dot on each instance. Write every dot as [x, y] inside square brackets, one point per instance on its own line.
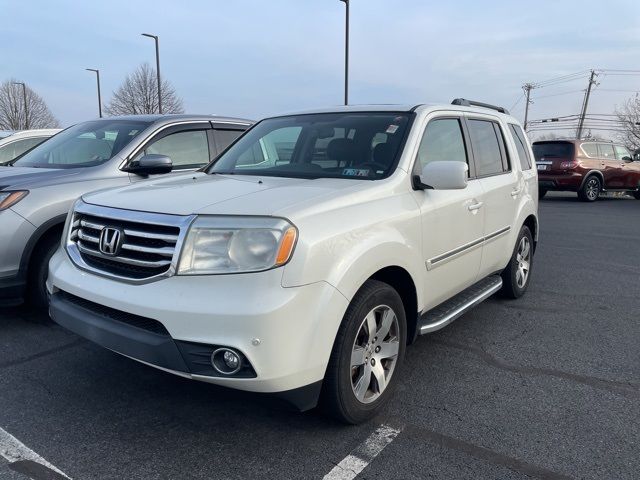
[520, 265]
[37, 297]
[351, 394]
[541, 193]
[590, 191]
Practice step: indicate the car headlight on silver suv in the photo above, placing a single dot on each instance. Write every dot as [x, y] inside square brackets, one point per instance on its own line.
[9, 199]
[220, 244]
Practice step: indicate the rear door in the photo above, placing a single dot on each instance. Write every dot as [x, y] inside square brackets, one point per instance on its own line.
[501, 184]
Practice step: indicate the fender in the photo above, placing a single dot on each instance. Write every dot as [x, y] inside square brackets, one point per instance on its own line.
[33, 241]
[588, 174]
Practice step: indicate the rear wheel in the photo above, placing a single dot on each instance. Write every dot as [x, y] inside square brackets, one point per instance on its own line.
[37, 297]
[515, 278]
[541, 193]
[590, 191]
[367, 354]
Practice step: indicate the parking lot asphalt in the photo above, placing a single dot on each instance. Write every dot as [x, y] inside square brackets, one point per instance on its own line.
[547, 386]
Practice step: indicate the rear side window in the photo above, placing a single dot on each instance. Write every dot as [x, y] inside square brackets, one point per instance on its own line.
[591, 149]
[488, 147]
[521, 146]
[606, 151]
[442, 141]
[224, 138]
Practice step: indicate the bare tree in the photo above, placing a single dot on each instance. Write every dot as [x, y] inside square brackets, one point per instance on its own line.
[14, 116]
[138, 94]
[629, 118]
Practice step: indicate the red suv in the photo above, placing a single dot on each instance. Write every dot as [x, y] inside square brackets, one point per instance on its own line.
[586, 167]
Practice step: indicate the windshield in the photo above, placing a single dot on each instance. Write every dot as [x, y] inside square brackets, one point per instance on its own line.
[337, 145]
[552, 150]
[84, 145]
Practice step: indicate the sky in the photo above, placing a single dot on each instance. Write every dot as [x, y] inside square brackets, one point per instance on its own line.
[254, 58]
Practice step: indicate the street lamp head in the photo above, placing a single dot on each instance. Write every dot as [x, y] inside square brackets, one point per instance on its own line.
[149, 35]
[91, 70]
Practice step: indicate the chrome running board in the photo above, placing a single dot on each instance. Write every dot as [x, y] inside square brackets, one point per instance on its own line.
[445, 313]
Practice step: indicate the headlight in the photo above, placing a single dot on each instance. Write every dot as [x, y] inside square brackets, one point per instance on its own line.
[9, 199]
[216, 245]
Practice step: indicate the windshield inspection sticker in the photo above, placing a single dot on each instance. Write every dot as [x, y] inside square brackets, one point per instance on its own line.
[355, 172]
[392, 129]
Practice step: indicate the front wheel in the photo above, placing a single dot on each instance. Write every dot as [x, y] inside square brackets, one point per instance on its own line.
[367, 354]
[590, 191]
[37, 297]
[515, 278]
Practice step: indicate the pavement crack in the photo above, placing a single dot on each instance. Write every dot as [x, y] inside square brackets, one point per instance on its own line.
[625, 389]
[44, 353]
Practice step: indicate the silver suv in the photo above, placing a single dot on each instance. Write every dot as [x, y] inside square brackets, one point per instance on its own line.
[38, 189]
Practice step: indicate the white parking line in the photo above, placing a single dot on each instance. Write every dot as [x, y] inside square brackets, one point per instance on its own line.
[14, 450]
[354, 463]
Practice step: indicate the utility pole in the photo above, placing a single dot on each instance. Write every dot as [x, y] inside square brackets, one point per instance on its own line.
[26, 107]
[155, 37]
[527, 90]
[346, 54]
[585, 104]
[97, 72]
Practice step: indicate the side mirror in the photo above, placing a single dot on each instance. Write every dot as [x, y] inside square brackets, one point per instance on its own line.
[442, 176]
[150, 164]
[627, 158]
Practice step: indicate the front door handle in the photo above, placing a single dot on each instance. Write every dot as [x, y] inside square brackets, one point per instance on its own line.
[516, 192]
[475, 206]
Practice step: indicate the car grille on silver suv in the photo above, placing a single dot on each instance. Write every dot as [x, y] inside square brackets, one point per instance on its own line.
[125, 244]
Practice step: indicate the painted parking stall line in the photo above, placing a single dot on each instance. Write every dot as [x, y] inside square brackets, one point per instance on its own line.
[16, 452]
[358, 459]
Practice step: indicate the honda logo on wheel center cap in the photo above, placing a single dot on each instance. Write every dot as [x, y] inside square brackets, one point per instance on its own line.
[111, 240]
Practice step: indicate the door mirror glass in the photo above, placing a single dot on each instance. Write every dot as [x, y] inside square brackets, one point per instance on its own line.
[150, 164]
[627, 158]
[444, 175]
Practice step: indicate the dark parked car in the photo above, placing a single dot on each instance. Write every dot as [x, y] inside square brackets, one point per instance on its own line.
[586, 167]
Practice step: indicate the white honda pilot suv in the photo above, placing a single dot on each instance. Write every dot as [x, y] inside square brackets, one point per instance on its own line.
[305, 258]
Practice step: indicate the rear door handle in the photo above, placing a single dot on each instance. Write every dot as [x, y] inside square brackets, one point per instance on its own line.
[516, 192]
[475, 206]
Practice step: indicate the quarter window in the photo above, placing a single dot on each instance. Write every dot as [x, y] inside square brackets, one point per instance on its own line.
[488, 147]
[521, 146]
[442, 141]
[606, 151]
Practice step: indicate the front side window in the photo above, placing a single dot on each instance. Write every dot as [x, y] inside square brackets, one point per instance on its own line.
[14, 149]
[487, 142]
[606, 151]
[87, 144]
[622, 153]
[521, 146]
[442, 141]
[188, 149]
[358, 145]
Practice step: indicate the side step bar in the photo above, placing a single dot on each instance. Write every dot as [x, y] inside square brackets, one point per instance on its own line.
[445, 313]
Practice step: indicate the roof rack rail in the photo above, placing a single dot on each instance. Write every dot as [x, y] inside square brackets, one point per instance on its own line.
[470, 103]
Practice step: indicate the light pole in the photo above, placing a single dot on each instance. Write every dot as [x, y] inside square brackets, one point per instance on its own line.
[26, 107]
[346, 53]
[98, 80]
[155, 37]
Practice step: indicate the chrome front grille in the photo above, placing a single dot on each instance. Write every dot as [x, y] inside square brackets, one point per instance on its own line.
[147, 244]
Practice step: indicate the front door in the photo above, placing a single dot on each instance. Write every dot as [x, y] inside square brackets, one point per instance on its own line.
[452, 220]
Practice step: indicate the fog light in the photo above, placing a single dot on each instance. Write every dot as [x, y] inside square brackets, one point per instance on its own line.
[226, 361]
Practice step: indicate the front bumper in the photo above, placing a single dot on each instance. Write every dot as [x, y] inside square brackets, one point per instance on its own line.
[15, 233]
[286, 334]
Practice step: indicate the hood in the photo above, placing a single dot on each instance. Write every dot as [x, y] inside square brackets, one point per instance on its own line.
[26, 177]
[199, 193]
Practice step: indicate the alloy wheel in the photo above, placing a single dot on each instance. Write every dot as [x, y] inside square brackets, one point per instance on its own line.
[523, 257]
[374, 353]
[593, 188]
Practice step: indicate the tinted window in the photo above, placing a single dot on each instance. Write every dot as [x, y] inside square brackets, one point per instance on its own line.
[622, 153]
[521, 146]
[84, 145]
[486, 141]
[552, 150]
[591, 149]
[442, 141]
[606, 151]
[224, 138]
[340, 145]
[188, 149]
[15, 149]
